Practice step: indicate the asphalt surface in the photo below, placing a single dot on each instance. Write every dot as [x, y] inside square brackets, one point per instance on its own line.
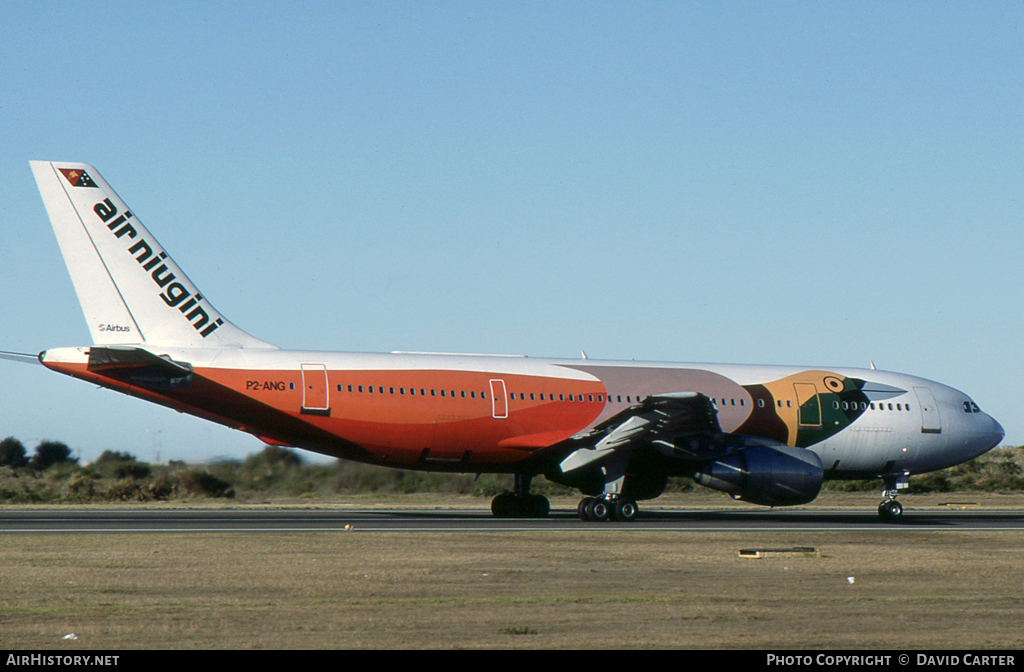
[193, 521]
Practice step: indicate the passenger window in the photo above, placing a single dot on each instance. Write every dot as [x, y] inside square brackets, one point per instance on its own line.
[760, 403]
[473, 394]
[561, 397]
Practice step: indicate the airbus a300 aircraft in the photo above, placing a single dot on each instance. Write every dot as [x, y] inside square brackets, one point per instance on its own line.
[615, 430]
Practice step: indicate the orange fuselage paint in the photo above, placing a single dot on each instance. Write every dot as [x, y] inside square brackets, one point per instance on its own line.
[430, 419]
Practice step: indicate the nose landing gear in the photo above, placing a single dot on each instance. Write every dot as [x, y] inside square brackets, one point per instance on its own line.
[890, 509]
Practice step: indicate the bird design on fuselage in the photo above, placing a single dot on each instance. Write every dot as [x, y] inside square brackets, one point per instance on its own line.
[808, 407]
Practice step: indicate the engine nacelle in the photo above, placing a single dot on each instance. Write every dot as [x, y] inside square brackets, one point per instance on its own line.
[767, 475]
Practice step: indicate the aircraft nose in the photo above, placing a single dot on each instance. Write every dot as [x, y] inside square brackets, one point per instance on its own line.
[993, 434]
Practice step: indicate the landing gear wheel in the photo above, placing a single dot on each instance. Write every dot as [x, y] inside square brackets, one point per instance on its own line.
[626, 510]
[508, 505]
[599, 511]
[585, 507]
[503, 506]
[537, 506]
[890, 509]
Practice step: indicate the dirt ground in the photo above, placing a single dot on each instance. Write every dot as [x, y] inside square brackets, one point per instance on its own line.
[606, 588]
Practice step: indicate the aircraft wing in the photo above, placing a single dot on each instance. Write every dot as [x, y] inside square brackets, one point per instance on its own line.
[680, 425]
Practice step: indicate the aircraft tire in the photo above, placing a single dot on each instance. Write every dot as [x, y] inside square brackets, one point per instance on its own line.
[502, 506]
[626, 510]
[890, 509]
[537, 506]
[599, 511]
[583, 509]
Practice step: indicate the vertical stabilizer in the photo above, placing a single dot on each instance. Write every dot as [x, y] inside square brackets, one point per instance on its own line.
[131, 291]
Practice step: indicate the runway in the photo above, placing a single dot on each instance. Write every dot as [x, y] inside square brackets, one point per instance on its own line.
[195, 521]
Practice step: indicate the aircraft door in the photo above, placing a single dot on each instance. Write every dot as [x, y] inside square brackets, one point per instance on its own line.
[809, 406]
[931, 423]
[499, 400]
[314, 389]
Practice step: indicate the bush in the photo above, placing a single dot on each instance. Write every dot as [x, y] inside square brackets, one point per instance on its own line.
[1000, 470]
[12, 453]
[114, 464]
[49, 453]
[199, 482]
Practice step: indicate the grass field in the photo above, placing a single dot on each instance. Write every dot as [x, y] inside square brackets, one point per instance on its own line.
[602, 588]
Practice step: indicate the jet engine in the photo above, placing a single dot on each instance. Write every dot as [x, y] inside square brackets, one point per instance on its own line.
[774, 475]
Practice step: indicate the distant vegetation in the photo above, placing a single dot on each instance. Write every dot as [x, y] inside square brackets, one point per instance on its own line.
[999, 470]
[52, 475]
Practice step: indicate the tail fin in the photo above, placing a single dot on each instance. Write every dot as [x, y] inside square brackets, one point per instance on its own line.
[130, 290]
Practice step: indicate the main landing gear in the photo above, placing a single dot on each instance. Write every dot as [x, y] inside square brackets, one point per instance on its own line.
[598, 509]
[520, 503]
[890, 509]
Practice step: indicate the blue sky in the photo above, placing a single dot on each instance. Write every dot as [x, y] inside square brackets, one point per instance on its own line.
[781, 183]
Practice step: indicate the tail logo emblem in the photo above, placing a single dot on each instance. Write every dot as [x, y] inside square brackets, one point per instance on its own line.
[77, 178]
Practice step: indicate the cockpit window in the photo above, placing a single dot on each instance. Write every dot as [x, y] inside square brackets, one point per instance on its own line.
[971, 407]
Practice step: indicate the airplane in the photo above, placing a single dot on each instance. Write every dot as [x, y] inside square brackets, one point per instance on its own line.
[614, 430]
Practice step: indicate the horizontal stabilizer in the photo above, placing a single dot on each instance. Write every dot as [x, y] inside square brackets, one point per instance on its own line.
[19, 357]
[140, 367]
[115, 357]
